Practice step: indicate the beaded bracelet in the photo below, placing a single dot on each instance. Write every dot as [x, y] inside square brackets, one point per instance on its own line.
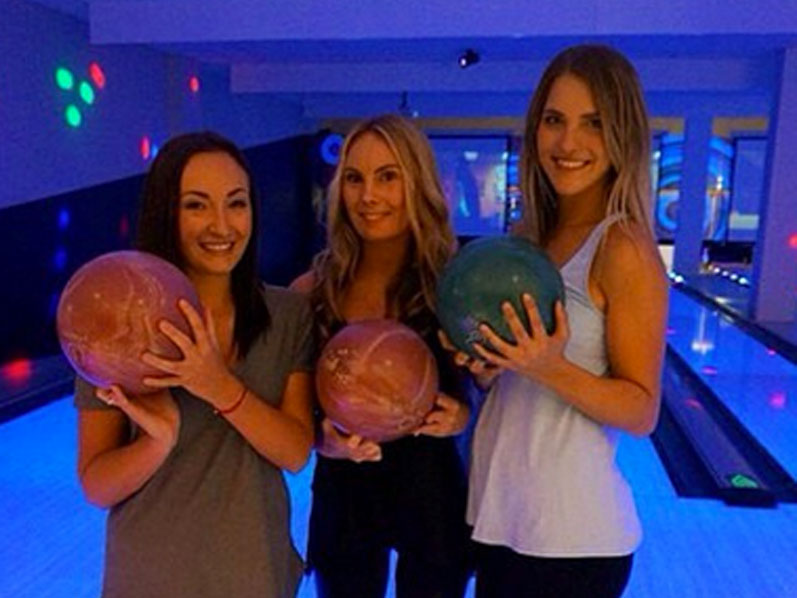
[234, 406]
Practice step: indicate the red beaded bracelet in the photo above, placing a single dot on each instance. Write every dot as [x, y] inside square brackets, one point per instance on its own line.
[234, 406]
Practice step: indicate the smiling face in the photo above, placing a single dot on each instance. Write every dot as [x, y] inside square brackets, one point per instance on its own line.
[570, 141]
[214, 214]
[373, 190]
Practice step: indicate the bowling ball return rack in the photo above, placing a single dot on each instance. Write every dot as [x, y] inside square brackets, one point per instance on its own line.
[707, 451]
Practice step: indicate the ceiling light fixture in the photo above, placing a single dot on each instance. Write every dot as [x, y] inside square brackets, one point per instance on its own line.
[467, 58]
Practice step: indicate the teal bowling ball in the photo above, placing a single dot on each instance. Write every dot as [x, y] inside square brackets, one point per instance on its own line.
[484, 274]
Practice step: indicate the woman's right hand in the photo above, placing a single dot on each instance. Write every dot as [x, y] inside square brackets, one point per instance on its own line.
[337, 445]
[484, 373]
[155, 414]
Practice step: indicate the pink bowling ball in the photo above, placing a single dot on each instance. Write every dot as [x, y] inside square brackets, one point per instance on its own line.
[376, 378]
[109, 312]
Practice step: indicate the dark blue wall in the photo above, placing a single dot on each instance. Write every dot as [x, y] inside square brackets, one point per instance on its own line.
[45, 241]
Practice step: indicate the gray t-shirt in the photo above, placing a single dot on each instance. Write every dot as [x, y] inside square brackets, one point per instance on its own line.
[213, 521]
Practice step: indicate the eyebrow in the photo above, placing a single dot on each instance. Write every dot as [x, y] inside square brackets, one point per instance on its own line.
[207, 195]
[380, 169]
[595, 114]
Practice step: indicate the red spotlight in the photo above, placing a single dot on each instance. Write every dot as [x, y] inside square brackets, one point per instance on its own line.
[96, 74]
[17, 371]
[193, 84]
[778, 400]
[144, 147]
[793, 241]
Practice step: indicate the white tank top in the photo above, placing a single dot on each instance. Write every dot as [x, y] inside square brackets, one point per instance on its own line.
[543, 478]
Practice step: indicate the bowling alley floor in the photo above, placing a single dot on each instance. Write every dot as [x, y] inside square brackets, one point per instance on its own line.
[51, 542]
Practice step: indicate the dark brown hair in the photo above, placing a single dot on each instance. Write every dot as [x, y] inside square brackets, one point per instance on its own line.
[156, 230]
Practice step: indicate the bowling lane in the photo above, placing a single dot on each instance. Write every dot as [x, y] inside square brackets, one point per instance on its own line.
[755, 383]
[52, 540]
[51, 544]
[693, 548]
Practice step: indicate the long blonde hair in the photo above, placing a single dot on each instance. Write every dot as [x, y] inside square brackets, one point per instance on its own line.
[618, 96]
[412, 292]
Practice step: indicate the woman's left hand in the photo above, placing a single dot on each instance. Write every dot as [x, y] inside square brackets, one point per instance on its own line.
[202, 371]
[534, 353]
[449, 417]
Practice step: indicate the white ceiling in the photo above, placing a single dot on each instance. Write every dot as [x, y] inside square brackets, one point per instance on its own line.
[342, 53]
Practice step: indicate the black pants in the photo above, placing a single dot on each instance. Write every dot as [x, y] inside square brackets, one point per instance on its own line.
[503, 573]
[412, 501]
[367, 578]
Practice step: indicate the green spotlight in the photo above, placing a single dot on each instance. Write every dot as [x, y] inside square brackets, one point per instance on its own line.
[72, 115]
[86, 92]
[64, 78]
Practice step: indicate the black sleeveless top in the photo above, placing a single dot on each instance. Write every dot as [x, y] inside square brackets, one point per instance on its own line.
[413, 499]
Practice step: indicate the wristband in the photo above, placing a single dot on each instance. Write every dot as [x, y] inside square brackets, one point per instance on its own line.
[234, 406]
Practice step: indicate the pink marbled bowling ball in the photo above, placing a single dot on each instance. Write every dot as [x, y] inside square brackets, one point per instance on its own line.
[376, 378]
[108, 316]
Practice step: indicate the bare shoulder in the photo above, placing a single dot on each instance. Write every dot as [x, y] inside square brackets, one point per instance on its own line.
[303, 283]
[630, 257]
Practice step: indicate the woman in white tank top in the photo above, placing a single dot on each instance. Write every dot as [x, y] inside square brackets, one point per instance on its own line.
[551, 513]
